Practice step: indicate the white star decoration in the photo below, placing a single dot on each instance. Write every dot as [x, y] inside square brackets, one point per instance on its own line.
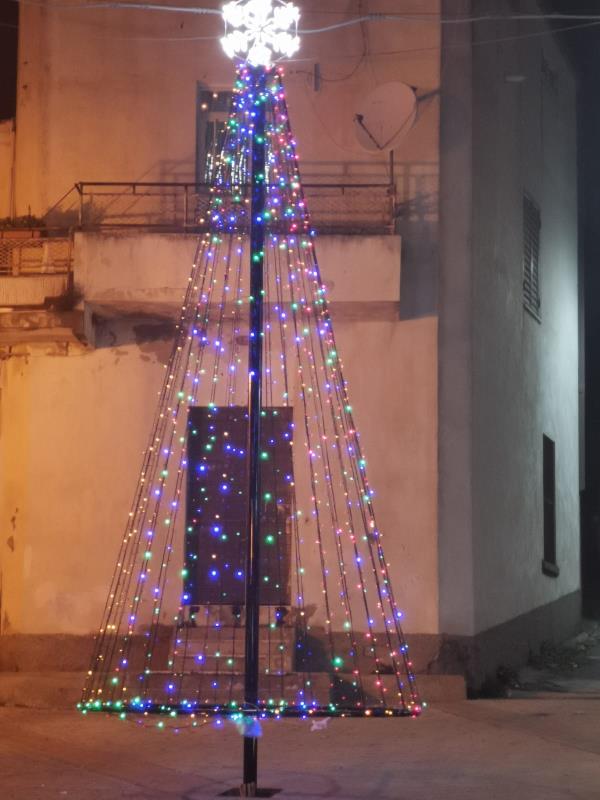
[257, 31]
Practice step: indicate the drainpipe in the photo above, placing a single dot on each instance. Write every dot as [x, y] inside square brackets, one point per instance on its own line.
[12, 194]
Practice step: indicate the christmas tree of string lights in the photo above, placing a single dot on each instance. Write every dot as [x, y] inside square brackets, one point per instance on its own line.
[251, 580]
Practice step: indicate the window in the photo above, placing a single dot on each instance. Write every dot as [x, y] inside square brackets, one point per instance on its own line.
[549, 565]
[532, 224]
[212, 113]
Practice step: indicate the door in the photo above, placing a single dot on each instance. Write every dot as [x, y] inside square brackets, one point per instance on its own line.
[217, 505]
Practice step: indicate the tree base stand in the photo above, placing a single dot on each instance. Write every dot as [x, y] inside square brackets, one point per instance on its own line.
[249, 790]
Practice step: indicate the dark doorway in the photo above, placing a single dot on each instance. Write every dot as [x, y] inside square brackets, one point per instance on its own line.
[217, 505]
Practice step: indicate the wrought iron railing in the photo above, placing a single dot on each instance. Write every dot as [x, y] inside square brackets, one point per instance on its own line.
[177, 206]
[35, 255]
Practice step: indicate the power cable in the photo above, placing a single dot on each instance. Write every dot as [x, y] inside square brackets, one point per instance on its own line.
[408, 50]
[118, 4]
[371, 17]
[375, 17]
[592, 20]
[475, 43]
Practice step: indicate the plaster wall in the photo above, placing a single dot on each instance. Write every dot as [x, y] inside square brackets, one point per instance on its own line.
[455, 401]
[79, 423]
[7, 144]
[110, 95]
[147, 268]
[524, 371]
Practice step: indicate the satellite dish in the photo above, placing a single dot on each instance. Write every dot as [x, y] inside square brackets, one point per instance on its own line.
[385, 116]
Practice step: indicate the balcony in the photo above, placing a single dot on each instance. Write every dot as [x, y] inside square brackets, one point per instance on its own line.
[76, 268]
[171, 207]
[35, 267]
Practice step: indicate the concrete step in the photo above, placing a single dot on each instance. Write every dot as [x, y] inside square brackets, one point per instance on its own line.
[222, 649]
[72, 653]
[62, 690]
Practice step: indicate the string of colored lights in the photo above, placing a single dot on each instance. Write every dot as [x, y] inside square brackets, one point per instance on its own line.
[171, 639]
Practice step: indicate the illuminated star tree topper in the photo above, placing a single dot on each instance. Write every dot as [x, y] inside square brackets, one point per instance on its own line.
[260, 31]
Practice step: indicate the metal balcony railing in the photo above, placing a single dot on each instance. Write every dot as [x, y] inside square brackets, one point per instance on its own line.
[35, 255]
[350, 208]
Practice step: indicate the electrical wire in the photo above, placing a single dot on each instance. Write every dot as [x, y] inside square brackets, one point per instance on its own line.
[376, 17]
[409, 50]
[404, 51]
[371, 17]
[166, 39]
[118, 4]
[592, 20]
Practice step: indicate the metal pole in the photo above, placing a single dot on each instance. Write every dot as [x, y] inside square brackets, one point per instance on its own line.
[80, 214]
[255, 354]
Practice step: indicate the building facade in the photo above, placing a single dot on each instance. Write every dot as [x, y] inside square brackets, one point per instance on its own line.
[440, 161]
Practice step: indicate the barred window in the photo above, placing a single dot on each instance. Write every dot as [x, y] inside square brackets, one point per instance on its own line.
[212, 113]
[532, 223]
[549, 564]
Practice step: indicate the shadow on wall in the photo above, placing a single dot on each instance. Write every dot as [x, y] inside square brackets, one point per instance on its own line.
[117, 204]
[153, 333]
[419, 271]
[417, 222]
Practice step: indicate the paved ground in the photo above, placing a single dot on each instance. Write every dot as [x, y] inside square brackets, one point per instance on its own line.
[539, 749]
[536, 745]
